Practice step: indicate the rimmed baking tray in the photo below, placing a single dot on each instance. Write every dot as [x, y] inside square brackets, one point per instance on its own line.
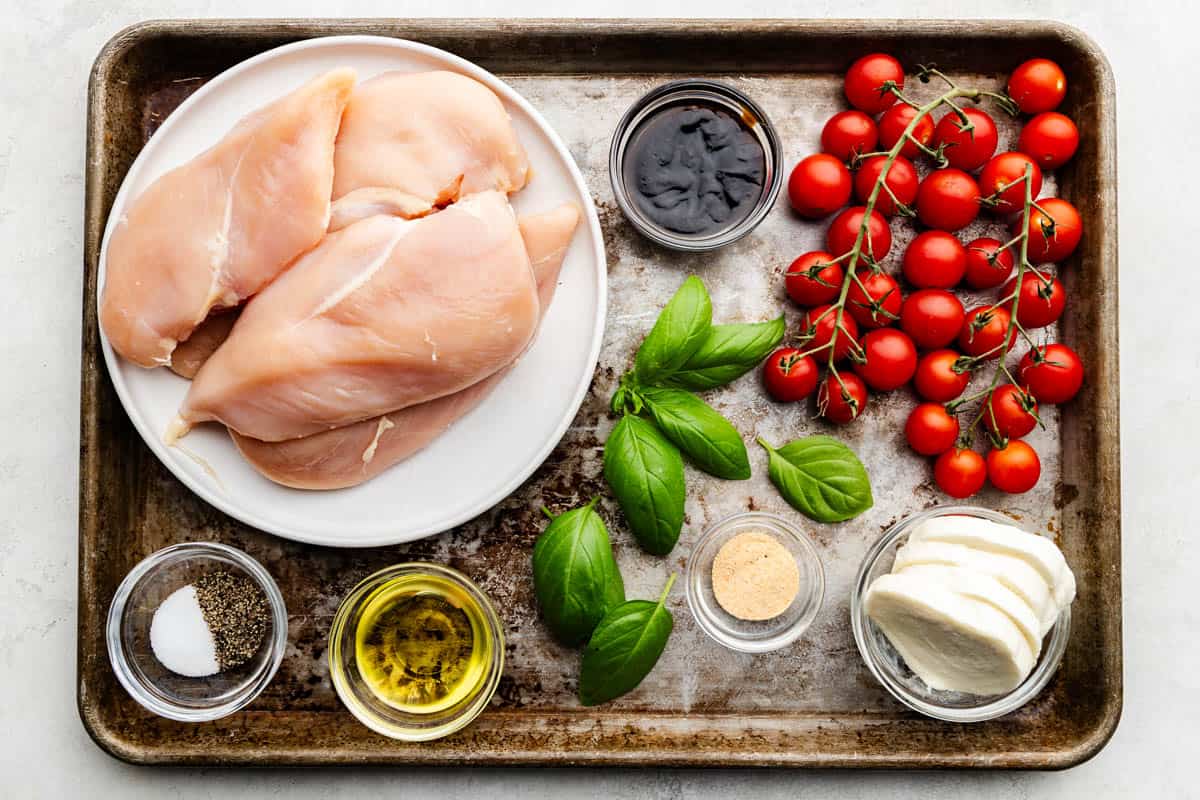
[813, 704]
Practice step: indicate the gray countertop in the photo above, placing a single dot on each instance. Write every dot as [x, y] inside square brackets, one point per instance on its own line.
[48, 48]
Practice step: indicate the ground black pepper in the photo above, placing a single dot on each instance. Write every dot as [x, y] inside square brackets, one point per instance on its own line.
[236, 611]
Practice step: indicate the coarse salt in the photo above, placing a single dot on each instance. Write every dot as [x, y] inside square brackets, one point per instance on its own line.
[180, 637]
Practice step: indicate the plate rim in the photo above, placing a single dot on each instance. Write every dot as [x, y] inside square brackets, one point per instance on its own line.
[248, 516]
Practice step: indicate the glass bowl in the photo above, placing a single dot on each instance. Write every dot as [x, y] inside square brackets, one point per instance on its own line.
[889, 668]
[703, 91]
[357, 694]
[128, 634]
[754, 636]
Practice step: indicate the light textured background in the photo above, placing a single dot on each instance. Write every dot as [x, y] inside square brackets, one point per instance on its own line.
[48, 47]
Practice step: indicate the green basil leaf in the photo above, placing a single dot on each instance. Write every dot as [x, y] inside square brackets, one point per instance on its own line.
[677, 334]
[645, 472]
[704, 436]
[820, 477]
[575, 575]
[727, 353]
[624, 648]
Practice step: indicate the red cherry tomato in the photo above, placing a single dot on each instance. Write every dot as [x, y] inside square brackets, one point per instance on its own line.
[841, 402]
[895, 121]
[936, 378]
[843, 232]
[819, 185]
[1041, 303]
[983, 331]
[891, 359]
[1011, 412]
[867, 80]
[987, 265]
[848, 134]
[813, 279]
[1053, 238]
[789, 375]
[901, 179]
[1014, 468]
[1037, 85]
[1053, 373]
[934, 260]
[820, 326]
[959, 473]
[931, 429]
[967, 149]
[1001, 180]
[932, 317]
[878, 306]
[948, 200]
[1050, 139]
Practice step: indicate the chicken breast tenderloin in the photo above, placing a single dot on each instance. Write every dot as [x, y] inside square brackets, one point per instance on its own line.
[213, 232]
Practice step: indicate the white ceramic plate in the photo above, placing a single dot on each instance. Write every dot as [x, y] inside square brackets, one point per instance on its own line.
[486, 454]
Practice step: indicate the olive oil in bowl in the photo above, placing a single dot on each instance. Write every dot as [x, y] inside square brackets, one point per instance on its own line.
[416, 651]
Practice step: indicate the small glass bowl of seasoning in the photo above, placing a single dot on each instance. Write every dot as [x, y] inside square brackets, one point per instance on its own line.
[196, 631]
[416, 651]
[695, 165]
[754, 582]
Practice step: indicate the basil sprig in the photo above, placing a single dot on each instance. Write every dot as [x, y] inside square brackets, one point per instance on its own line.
[820, 477]
[575, 575]
[642, 458]
[624, 648]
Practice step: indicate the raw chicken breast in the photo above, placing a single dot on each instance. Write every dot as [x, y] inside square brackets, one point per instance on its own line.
[216, 230]
[431, 135]
[382, 315]
[191, 354]
[353, 454]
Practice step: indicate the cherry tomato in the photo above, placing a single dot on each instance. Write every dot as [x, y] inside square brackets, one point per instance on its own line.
[936, 378]
[891, 359]
[1011, 412]
[987, 265]
[1052, 374]
[843, 232]
[813, 279]
[789, 375]
[932, 317]
[901, 179]
[848, 134]
[821, 325]
[895, 121]
[1041, 302]
[1053, 238]
[934, 260]
[1037, 85]
[878, 306]
[959, 473]
[838, 404]
[819, 185]
[948, 200]
[1001, 181]
[1014, 468]
[967, 149]
[983, 331]
[866, 82]
[931, 429]
[1050, 139]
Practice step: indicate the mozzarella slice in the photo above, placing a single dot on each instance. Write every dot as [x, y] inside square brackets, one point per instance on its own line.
[1013, 573]
[993, 537]
[950, 641]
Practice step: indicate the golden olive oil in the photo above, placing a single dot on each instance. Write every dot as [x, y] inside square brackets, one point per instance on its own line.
[421, 644]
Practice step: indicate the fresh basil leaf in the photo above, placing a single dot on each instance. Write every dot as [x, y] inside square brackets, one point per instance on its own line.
[820, 477]
[677, 334]
[727, 353]
[645, 472]
[624, 648]
[575, 575]
[704, 436]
